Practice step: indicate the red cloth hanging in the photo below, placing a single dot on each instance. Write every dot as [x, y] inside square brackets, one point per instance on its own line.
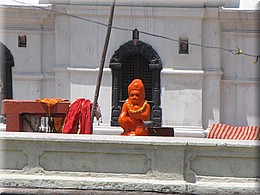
[79, 114]
[85, 122]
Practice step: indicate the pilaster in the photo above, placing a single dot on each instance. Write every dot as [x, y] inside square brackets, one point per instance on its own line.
[211, 34]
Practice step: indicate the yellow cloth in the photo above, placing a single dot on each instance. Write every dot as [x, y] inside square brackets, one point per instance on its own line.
[50, 102]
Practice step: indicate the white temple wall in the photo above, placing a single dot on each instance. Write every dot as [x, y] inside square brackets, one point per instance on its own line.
[27, 74]
[86, 49]
[182, 98]
[240, 81]
[33, 77]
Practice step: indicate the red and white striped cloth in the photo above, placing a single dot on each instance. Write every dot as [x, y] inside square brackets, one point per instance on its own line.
[223, 131]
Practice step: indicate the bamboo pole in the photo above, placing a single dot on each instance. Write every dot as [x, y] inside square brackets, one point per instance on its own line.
[102, 61]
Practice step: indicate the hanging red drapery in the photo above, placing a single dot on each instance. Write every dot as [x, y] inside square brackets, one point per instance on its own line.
[78, 118]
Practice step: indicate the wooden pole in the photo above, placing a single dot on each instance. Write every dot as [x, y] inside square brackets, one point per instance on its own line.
[102, 61]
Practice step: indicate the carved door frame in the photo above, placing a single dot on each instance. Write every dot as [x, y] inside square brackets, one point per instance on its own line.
[155, 66]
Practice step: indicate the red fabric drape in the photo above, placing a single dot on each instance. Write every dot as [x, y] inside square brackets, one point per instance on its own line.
[78, 119]
[85, 122]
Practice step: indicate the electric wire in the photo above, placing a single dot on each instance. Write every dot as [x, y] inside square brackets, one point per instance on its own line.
[236, 51]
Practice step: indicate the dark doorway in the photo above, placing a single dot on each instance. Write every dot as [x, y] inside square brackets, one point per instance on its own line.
[136, 66]
[6, 83]
[136, 61]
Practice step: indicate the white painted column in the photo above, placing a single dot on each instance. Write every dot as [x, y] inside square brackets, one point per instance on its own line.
[62, 53]
[211, 33]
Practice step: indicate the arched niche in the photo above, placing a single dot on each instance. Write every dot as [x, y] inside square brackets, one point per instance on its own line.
[132, 61]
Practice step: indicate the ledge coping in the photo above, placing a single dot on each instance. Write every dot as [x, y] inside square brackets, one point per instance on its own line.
[116, 139]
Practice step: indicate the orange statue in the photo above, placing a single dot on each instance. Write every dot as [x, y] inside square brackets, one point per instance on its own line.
[135, 110]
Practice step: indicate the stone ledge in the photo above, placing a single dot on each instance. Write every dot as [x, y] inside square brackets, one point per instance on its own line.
[133, 163]
[132, 140]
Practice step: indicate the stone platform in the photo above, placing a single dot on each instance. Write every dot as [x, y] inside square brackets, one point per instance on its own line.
[128, 163]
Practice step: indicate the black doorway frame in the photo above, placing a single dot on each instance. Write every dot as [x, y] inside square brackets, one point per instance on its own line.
[6, 63]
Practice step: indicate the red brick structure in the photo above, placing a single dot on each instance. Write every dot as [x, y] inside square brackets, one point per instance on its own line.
[13, 109]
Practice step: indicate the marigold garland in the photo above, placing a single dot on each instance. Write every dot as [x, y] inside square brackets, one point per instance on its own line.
[138, 110]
